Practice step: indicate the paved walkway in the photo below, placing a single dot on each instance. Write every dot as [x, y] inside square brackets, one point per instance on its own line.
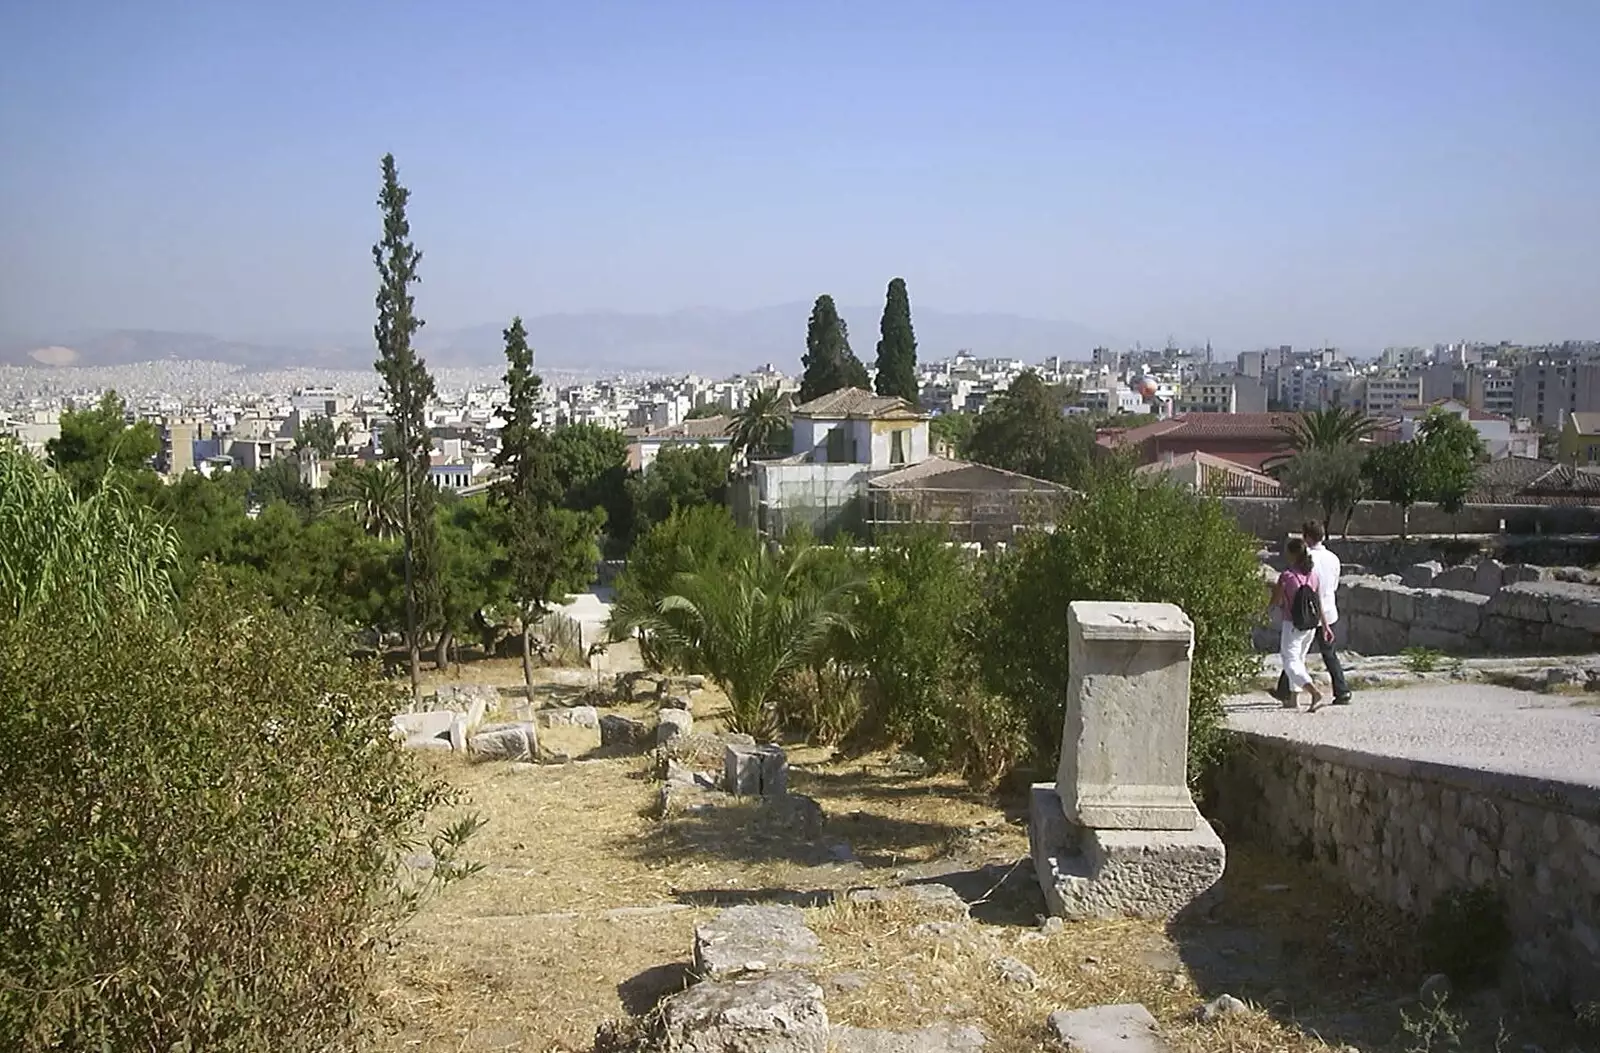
[1471, 725]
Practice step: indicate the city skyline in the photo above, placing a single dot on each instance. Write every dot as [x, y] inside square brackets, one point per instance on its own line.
[1243, 173]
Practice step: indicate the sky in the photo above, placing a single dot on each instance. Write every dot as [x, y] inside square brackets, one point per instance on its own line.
[1365, 173]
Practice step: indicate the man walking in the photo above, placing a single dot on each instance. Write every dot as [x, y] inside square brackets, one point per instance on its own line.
[1327, 568]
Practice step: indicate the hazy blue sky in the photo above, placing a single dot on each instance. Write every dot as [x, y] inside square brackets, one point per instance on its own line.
[1364, 172]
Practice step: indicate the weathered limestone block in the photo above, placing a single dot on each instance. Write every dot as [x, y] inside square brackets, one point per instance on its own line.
[569, 717]
[458, 733]
[1501, 635]
[936, 1038]
[1515, 572]
[1448, 611]
[1489, 576]
[1366, 634]
[618, 730]
[507, 742]
[1402, 606]
[1421, 635]
[1364, 596]
[1125, 737]
[1525, 601]
[429, 724]
[1421, 575]
[755, 771]
[1456, 579]
[675, 702]
[754, 939]
[781, 1012]
[1107, 1029]
[1563, 639]
[671, 723]
[1574, 606]
[1087, 873]
[473, 700]
[931, 899]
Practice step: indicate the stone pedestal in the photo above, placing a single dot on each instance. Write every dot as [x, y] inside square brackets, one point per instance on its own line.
[1125, 740]
[1118, 833]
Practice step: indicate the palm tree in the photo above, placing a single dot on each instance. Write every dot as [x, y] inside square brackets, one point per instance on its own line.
[758, 424]
[374, 496]
[752, 624]
[1333, 426]
[105, 550]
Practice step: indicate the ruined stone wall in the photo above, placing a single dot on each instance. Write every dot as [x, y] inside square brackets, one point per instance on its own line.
[1406, 832]
[1463, 612]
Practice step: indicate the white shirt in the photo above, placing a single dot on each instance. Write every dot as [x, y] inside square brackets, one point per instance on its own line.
[1327, 567]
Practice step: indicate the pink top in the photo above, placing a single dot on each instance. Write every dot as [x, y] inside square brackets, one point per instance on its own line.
[1290, 581]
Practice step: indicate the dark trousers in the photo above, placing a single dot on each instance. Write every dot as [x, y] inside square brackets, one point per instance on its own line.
[1330, 658]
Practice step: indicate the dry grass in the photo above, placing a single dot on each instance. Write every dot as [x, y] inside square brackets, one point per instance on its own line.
[586, 908]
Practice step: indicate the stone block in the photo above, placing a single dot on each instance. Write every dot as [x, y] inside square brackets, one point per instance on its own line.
[1107, 1029]
[936, 1038]
[1515, 572]
[675, 702]
[472, 700]
[1400, 605]
[1087, 873]
[618, 730]
[931, 899]
[1489, 575]
[1574, 606]
[1449, 611]
[671, 723]
[1364, 596]
[781, 1012]
[755, 771]
[1525, 601]
[569, 717]
[505, 742]
[458, 733]
[1442, 640]
[429, 724]
[754, 939]
[1456, 579]
[1563, 639]
[1421, 575]
[1372, 635]
[1125, 737]
[1501, 635]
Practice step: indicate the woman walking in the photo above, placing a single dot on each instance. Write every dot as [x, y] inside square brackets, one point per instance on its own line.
[1294, 598]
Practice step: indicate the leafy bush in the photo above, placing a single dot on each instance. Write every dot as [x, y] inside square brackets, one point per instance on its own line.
[201, 835]
[753, 625]
[691, 539]
[1421, 659]
[1130, 540]
[917, 627]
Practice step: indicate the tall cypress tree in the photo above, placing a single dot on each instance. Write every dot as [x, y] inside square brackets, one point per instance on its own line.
[527, 492]
[409, 388]
[829, 362]
[897, 346]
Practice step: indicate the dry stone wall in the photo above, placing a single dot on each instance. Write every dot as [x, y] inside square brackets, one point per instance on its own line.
[1462, 611]
[1407, 832]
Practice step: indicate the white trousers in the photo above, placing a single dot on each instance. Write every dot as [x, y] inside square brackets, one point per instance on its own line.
[1292, 647]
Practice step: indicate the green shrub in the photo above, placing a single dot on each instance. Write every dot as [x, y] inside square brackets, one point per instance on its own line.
[202, 834]
[1421, 659]
[1130, 540]
[691, 539]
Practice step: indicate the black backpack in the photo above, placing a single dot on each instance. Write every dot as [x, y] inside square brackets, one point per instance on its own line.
[1305, 610]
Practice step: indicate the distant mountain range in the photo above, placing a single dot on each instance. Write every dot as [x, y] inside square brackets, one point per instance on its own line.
[703, 340]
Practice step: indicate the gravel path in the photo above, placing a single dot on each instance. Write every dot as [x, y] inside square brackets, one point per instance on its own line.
[1472, 725]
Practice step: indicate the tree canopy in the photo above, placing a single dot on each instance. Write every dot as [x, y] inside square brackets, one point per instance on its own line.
[98, 440]
[829, 362]
[1024, 430]
[897, 346]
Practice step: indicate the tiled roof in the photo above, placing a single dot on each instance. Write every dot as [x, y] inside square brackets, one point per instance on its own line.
[718, 427]
[856, 402]
[945, 473]
[1528, 480]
